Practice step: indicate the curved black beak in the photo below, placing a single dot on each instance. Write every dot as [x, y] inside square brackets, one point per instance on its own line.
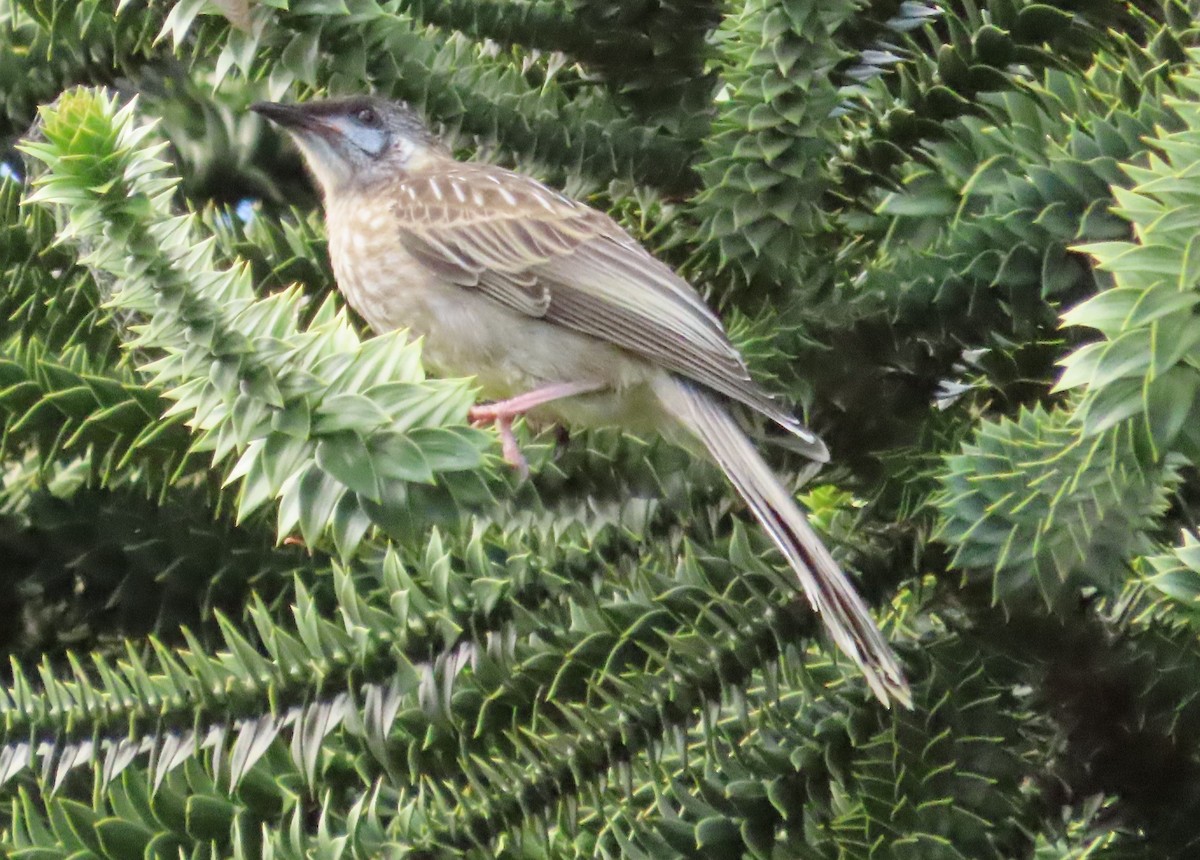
[290, 117]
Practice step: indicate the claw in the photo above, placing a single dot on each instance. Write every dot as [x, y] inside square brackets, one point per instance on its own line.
[483, 415]
[502, 413]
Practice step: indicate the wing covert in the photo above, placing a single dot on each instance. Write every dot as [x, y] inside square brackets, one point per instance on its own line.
[542, 254]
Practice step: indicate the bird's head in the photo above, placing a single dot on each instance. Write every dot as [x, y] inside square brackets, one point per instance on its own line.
[357, 140]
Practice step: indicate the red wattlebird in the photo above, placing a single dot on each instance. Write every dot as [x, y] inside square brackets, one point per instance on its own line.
[554, 308]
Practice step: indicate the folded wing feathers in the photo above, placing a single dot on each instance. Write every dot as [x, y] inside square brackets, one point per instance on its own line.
[543, 254]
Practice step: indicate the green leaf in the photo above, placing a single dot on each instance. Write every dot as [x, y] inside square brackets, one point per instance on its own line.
[398, 457]
[342, 412]
[447, 450]
[718, 833]
[317, 497]
[120, 838]
[928, 204]
[209, 818]
[345, 456]
[1039, 23]
[1170, 403]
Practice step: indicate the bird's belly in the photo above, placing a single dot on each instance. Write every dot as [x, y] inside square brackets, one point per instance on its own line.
[464, 333]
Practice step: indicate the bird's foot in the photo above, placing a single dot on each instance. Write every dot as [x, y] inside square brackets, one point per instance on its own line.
[503, 422]
[502, 413]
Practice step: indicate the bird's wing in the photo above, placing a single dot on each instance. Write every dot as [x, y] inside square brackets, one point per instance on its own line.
[545, 255]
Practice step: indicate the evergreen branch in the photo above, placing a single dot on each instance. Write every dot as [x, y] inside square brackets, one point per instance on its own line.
[450, 77]
[769, 773]
[1036, 506]
[1176, 575]
[335, 428]
[117, 711]
[85, 565]
[948, 73]
[65, 408]
[574, 744]
[650, 57]
[49, 297]
[37, 62]
[765, 172]
[61, 390]
[1145, 367]
[407, 649]
[961, 294]
[1017, 204]
[281, 251]
[545, 25]
[965, 749]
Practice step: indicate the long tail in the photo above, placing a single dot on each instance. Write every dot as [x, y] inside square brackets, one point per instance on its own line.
[831, 595]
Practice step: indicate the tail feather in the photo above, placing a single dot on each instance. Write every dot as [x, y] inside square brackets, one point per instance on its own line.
[830, 593]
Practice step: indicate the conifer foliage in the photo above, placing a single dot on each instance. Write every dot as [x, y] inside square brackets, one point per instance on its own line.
[265, 593]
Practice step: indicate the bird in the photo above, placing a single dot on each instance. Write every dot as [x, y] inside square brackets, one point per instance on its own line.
[555, 309]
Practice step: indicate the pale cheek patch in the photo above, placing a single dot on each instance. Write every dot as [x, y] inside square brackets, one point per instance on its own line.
[369, 140]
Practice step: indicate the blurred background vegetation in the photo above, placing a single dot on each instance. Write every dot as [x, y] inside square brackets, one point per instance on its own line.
[266, 595]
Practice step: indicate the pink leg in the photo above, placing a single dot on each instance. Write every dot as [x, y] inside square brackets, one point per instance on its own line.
[508, 444]
[502, 412]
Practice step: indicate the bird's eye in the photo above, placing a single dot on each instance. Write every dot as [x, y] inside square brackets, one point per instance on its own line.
[368, 117]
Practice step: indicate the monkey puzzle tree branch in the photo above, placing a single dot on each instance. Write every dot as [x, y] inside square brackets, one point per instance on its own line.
[331, 426]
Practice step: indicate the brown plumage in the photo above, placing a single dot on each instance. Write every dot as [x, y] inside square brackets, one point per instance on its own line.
[556, 309]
